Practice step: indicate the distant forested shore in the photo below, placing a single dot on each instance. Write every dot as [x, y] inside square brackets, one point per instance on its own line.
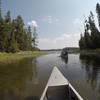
[15, 36]
[90, 39]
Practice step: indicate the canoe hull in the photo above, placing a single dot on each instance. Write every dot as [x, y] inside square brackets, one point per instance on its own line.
[58, 88]
[64, 53]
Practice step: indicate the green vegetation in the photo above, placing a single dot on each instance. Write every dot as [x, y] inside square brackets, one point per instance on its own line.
[91, 37]
[72, 49]
[95, 51]
[15, 77]
[9, 57]
[14, 36]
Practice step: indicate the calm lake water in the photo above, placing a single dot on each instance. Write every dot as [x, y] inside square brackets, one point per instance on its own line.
[26, 79]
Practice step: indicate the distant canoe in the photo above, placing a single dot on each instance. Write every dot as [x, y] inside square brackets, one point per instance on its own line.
[64, 53]
[58, 88]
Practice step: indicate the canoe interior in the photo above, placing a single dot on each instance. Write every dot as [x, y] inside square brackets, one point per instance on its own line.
[60, 93]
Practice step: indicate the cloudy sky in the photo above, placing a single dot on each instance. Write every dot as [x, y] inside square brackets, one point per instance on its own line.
[59, 22]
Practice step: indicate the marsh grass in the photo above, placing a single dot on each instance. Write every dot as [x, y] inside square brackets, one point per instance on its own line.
[9, 57]
[96, 51]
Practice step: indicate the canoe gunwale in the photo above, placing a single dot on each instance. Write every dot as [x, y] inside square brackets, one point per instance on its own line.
[66, 82]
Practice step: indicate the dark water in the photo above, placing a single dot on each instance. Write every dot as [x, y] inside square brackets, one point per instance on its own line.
[26, 79]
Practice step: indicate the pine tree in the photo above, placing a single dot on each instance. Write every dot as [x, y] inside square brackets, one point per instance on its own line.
[95, 34]
[82, 43]
[14, 36]
[98, 13]
[29, 35]
[28, 39]
[35, 38]
[91, 38]
[20, 32]
[1, 32]
[12, 43]
[87, 37]
[7, 30]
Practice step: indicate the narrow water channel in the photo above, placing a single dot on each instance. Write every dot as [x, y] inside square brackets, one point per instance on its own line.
[26, 79]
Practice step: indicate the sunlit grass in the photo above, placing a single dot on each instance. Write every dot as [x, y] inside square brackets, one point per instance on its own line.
[15, 56]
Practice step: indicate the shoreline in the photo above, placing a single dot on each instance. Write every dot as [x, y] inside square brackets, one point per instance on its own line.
[9, 57]
[95, 51]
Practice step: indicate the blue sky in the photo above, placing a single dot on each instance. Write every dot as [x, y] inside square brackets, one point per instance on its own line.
[58, 22]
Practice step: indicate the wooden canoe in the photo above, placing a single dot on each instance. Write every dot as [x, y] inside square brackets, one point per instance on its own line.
[58, 88]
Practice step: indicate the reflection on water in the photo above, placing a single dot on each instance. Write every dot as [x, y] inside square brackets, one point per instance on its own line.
[35, 74]
[65, 60]
[26, 79]
[91, 63]
[32, 98]
[15, 79]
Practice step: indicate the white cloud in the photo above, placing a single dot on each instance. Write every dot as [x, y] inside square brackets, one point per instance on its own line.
[33, 23]
[77, 21]
[50, 19]
[56, 20]
[78, 24]
[64, 40]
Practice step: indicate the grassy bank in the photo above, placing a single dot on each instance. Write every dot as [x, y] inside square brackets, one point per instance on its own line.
[96, 51]
[20, 55]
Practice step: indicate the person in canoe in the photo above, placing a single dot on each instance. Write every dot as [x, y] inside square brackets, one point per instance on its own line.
[64, 53]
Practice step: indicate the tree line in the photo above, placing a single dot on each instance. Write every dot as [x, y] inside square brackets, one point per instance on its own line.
[90, 39]
[14, 36]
